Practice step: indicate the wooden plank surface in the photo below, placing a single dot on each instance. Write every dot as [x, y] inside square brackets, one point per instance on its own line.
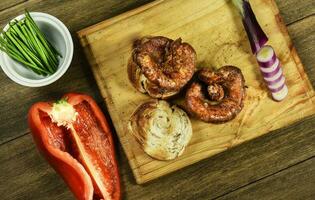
[108, 50]
[303, 35]
[6, 4]
[293, 11]
[76, 15]
[273, 188]
[28, 176]
[35, 181]
[25, 175]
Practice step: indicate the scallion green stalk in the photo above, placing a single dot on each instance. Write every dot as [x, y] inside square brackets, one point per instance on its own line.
[25, 43]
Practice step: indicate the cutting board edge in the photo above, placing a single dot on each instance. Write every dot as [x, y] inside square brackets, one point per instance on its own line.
[293, 51]
[103, 24]
[97, 27]
[118, 128]
[142, 180]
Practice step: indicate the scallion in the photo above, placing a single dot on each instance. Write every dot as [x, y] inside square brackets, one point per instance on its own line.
[24, 42]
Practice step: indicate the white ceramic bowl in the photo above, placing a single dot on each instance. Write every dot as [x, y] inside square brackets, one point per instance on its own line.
[58, 35]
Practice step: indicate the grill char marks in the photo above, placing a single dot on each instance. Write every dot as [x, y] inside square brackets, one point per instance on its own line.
[225, 96]
[160, 66]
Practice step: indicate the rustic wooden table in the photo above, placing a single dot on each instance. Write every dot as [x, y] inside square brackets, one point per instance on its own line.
[280, 165]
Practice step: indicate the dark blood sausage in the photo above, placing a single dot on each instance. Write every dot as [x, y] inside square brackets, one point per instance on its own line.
[217, 96]
[160, 66]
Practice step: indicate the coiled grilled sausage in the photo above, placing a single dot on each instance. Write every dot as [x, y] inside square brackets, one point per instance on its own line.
[160, 66]
[218, 96]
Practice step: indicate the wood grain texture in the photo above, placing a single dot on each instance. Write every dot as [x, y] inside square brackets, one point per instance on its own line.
[108, 50]
[234, 168]
[15, 99]
[78, 76]
[75, 14]
[276, 186]
[25, 175]
[91, 12]
[295, 10]
[28, 176]
[6, 4]
[303, 36]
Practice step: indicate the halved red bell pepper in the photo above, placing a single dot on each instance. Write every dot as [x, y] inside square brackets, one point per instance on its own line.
[75, 138]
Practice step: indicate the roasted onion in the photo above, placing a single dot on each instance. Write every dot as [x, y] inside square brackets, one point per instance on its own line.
[162, 130]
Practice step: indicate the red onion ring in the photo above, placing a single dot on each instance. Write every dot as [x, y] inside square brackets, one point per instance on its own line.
[274, 81]
[277, 89]
[270, 60]
[273, 73]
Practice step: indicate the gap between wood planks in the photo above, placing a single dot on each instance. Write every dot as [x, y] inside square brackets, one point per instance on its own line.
[15, 138]
[10, 5]
[263, 177]
[101, 104]
[235, 187]
[301, 19]
[298, 20]
[78, 75]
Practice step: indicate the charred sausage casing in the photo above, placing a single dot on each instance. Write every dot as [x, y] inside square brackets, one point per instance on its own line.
[217, 96]
[160, 66]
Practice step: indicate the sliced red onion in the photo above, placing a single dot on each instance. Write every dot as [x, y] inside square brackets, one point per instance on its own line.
[266, 56]
[276, 80]
[273, 73]
[256, 35]
[277, 89]
[270, 68]
[275, 77]
[281, 94]
[277, 85]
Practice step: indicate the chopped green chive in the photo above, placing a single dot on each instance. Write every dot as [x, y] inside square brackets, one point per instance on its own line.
[25, 43]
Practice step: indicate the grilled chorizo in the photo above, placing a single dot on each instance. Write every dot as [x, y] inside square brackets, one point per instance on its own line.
[217, 96]
[160, 66]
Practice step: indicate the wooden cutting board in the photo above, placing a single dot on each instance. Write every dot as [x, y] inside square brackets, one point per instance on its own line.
[214, 29]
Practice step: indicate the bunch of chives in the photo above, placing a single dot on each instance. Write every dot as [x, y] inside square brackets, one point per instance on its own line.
[25, 43]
